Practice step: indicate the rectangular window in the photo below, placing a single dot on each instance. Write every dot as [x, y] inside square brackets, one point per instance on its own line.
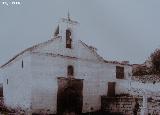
[68, 39]
[119, 72]
[70, 70]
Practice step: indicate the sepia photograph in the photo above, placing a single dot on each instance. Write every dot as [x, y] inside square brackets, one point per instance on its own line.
[79, 57]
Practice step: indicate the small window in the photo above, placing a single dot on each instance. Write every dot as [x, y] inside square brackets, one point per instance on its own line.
[68, 39]
[22, 64]
[70, 70]
[119, 72]
[7, 81]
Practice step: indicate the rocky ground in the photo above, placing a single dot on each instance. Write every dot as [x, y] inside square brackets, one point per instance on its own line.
[6, 111]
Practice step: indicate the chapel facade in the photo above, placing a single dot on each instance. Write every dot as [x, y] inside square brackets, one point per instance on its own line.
[62, 75]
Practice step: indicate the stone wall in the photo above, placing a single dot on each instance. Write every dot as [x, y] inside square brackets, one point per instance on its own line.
[124, 105]
[153, 106]
[128, 105]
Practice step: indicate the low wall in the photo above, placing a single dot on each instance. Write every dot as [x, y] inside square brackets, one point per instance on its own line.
[129, 105]
[125, 105]
[153, 106]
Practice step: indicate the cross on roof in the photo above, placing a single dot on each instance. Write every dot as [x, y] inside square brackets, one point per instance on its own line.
[69, 20]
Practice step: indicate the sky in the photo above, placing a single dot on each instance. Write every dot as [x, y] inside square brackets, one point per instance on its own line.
[120, 29]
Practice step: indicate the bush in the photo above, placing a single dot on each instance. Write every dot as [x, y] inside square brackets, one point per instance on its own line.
[155, 59]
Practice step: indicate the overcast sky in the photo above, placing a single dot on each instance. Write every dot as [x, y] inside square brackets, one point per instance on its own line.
[120, 29]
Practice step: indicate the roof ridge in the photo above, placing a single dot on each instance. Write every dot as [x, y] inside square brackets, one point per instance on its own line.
[95, 52]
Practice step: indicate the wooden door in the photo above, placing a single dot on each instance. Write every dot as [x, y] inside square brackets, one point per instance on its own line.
[111, 89]
[70, 97]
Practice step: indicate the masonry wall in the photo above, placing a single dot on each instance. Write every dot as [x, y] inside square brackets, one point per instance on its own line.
[128, 105]
[88, 65]
[153, 106]
[16, 83]
[122, 105]
[45, 71]
[47, 68]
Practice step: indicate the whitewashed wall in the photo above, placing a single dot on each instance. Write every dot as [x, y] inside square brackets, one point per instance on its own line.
[17, 91]
[47, 68]
[36, 85]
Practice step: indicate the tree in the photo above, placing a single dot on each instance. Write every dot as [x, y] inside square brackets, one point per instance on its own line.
[141, 70]
[155, 60]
